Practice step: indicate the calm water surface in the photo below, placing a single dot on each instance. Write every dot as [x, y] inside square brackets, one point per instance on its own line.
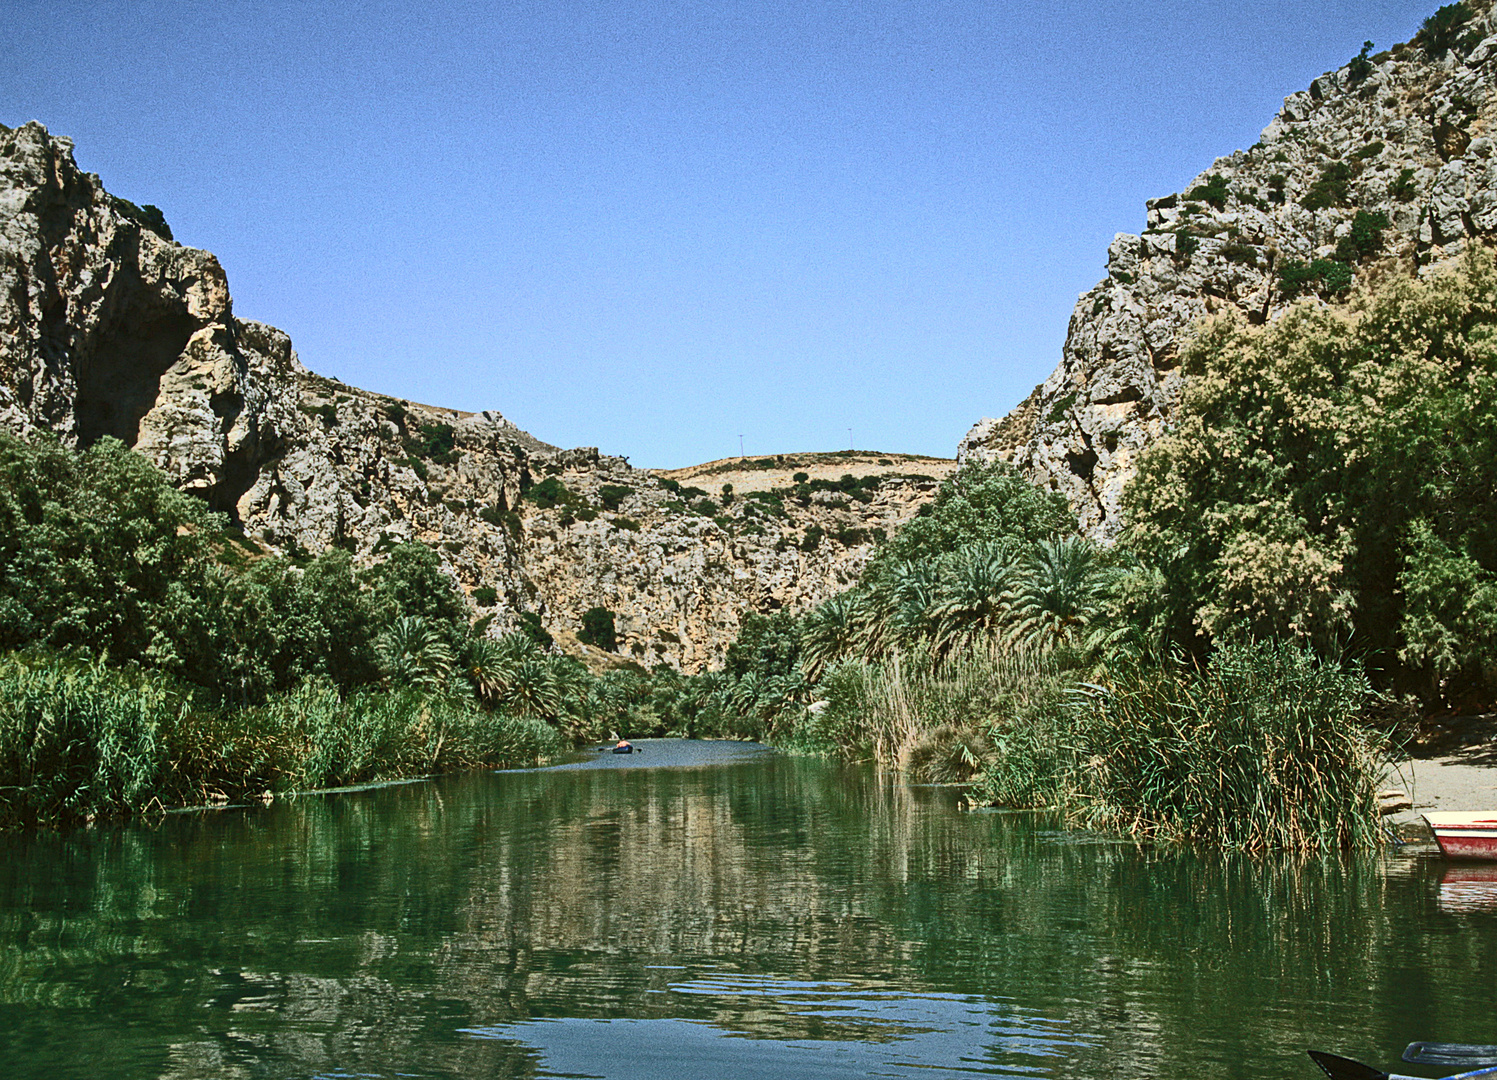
[677, 914]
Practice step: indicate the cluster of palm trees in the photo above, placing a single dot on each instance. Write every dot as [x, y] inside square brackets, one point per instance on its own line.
[513, 673]
[1031, 596]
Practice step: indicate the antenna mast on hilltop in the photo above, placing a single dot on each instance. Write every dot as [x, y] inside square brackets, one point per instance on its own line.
[740, 446]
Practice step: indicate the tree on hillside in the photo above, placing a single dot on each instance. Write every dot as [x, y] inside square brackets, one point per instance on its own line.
[1332, 478]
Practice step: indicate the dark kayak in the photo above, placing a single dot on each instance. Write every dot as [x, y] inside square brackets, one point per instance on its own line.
[1473, 1061]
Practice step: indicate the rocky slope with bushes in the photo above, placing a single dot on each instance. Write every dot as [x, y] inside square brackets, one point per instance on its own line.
[109, 327]
[1387, 163]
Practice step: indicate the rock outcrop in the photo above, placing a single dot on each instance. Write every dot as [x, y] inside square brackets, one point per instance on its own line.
[1406, 134]
[110, 328]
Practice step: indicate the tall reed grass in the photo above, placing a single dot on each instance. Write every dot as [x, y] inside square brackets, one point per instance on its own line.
[80, 741]
[1262, 749]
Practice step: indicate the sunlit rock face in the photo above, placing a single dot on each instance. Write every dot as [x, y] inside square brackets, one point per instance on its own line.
[110, 328]
[1408, 135]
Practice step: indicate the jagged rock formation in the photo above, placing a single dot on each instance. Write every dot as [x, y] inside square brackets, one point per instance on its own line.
[109, 328]
[1407, 134]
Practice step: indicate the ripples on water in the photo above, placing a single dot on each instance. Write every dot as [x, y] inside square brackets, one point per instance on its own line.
[662, 915]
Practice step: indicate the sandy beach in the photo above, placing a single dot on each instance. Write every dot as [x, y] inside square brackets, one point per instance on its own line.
[1454, 767]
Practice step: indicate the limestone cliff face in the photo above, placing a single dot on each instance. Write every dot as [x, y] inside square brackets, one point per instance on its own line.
[109, 328]
[1406, 134]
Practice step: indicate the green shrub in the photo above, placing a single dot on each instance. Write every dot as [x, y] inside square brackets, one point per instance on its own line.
[147, 217]
[485, 596]
[1213, 191]
[548, 494]
[1332, 188]
[1403, 188]
[1324, 275]
[1371, 150]
[612, 496]
[1276, 184]
[812, 539]
[625, 523]
[598, 629]
[1442, 29]
[434, 442]
[530, 626]
[801, 478]
[1359, 68]
[1365, 238]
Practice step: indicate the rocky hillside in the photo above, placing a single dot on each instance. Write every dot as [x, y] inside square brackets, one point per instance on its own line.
[1387, 161]
[108, 327]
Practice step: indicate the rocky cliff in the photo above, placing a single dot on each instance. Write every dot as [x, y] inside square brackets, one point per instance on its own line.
[1388, 161]
[108, 327]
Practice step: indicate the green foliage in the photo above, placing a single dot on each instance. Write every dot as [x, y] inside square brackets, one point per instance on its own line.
[1403, 188]
[80, 740]
[1329, 479]
[1061, 408]
[396, 412]
[1442, 29]
[433, 442]
[550, 493]
[485, 596]
[1321, 275]
[530, 626]
[1365, 238]
[727, 496]
[980, 502]
[1276, 184]
[1371, 150]
[502, 518]
[1260, 751]
[1186, 243]
[1214, 191]
[612, 496]
[812, 539]
[625, 523]
[705, 507]
[598, 629]
[801, 478]
[1360, 67]
[1331, 188]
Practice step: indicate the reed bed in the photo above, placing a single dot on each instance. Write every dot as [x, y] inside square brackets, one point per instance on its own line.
[80, 741]
[1264, 749]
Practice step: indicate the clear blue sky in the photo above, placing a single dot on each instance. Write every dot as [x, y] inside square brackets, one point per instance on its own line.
[653, 226]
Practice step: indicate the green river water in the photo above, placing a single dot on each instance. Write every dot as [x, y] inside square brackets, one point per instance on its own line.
[713, 911]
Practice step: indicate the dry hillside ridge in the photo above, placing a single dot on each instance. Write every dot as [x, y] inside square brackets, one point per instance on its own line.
[1406, 133]
[108, 327]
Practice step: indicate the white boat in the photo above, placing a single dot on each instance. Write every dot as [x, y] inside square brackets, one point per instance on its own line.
[1465, 835]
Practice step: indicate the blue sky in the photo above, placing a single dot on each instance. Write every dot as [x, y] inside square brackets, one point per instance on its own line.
[655, 227]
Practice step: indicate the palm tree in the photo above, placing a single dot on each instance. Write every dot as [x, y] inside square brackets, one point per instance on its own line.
[412, 653]
[1060, 594]
[534, 689]
[973, 599]
[826, 634]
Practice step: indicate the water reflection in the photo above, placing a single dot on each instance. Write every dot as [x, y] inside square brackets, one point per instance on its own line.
[772, 915]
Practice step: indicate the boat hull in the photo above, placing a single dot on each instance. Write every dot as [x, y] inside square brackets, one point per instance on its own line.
[1465, 836]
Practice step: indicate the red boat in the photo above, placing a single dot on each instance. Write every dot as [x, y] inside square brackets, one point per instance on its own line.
[1465, 835]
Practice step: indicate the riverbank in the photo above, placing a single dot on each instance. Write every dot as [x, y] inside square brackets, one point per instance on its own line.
[1453, 767]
